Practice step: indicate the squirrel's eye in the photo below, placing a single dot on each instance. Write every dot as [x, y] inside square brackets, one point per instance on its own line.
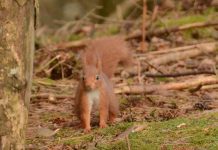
[83, 78]
[97, 77]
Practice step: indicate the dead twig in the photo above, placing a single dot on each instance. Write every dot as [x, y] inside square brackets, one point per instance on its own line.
[154, 14]
[144, 24]
[139, 72]
[195, 89]
[153, 66]
[53, 67]
[128, 143]
[43, 66]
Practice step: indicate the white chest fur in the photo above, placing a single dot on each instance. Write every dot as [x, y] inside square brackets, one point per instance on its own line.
[93, 98]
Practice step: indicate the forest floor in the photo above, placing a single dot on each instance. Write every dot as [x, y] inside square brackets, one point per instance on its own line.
[180, 112]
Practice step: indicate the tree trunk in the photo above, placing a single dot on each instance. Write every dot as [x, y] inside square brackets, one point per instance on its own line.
[16, 67]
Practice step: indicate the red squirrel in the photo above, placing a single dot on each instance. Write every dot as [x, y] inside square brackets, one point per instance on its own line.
[95, 91]
[112, 51]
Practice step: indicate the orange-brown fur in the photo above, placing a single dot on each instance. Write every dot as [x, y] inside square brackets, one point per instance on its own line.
[112, 51]
[107, 103]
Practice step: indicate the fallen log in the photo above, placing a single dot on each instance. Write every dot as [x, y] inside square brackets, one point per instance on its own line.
[173, 53]
[179, 74]
[194, 82]
[196, 51]
[181, 48]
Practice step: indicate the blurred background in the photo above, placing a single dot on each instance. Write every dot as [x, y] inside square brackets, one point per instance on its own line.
[67, 17]
[68, 10]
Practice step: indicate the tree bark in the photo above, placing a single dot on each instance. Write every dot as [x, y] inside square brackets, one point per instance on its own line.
[16, 67]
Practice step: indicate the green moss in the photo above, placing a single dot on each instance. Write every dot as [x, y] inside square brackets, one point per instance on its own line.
[198, 133]
[44, 81]
[162, 79]
[181, 21]
[153, 113]
[72, 138]
[114, 129]
[209, 11]
[123, 101]
[112, 30]
[207, 15]
[201, 33]
[109, 30]
[75, 37]
[130, 81]
[120, 145]
[171, 21]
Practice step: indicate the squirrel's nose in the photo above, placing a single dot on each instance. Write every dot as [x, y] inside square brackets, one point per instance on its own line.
[88, 87]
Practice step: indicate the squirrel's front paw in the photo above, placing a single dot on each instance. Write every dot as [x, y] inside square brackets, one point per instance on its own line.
[87, 130]
[103, 125]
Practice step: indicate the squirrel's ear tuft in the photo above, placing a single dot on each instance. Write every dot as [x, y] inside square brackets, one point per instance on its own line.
[83, 58]
[98, 62]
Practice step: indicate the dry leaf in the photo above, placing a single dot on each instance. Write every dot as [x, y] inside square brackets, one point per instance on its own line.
[181, 125]
[135, 128]
[45, 132]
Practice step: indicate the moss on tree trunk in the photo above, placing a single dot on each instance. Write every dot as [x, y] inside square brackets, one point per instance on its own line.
[16, 55]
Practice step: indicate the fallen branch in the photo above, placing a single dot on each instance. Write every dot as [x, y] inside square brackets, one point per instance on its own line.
[215, 86]
[48, 95]
[194, 82]
[166, 31]
[188, 73]
[53, 84]
[178, 53]
[65, 46]
[172, 57]
[179, 49]
[154, 15]
[71, 45]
